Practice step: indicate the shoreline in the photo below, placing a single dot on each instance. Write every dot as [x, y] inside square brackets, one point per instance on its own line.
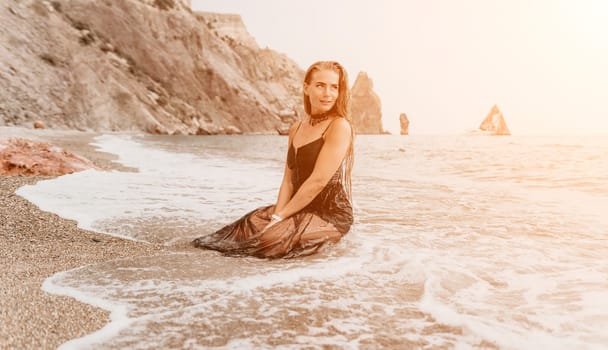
[35, 245]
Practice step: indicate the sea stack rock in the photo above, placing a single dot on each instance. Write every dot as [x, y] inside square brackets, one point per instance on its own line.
[494, 123]
[405, 124]
[366, 107]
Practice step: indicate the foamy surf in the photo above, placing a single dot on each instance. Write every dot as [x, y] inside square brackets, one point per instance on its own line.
[118, 318]
[453, 247]
[208, 288]
[195, 190]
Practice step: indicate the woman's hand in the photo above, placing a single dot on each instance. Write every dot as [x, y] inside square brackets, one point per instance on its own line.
[270, 224]
[274, 219]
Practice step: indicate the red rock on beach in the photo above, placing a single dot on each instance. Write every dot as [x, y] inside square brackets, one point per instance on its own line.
[27, 157]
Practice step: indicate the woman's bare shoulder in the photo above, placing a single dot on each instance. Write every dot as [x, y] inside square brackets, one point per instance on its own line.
[293, 128]
[339, 127]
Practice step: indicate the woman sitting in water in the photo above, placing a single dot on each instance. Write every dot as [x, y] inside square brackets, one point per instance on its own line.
[314, 202]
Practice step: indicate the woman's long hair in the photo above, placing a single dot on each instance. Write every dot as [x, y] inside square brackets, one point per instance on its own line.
[341, 108]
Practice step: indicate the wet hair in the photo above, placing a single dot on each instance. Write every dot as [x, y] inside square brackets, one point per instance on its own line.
[341, 108]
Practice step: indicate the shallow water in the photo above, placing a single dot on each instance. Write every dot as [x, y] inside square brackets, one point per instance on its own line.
[459, 242]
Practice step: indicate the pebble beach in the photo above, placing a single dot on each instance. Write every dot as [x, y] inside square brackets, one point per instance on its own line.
[35, 244]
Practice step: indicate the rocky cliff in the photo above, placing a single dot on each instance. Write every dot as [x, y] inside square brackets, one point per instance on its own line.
[366, 107]
[147, 65]
[494, 123]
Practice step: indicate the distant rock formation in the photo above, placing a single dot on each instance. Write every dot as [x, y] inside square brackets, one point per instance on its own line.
[366, 107]
[147, 65]
[26, 157]
[404, 123]
[494, 123]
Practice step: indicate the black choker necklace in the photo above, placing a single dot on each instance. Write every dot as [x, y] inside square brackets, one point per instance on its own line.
[317, 118]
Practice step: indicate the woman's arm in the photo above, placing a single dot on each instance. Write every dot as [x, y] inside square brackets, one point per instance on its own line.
[337, 141]
[286, 189]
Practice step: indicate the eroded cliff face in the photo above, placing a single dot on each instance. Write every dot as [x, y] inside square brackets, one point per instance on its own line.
[147, 65]
[366, 108]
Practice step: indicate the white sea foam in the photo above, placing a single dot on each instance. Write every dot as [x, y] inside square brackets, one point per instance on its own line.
[118, 311]
[458, 242]
[193, 188]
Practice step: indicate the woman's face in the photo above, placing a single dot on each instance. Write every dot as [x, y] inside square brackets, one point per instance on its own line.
[322, 90]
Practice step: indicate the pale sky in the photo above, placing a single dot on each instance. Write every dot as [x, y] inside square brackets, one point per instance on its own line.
[445, 63]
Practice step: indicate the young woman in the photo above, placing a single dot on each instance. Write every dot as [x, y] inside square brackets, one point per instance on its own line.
[314, 202]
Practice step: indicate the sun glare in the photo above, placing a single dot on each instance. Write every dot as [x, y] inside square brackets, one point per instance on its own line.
[588, 21]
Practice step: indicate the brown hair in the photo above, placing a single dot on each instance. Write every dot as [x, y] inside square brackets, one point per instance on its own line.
[341, 108]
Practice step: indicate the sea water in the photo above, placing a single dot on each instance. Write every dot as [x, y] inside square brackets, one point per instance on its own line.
[459, 242]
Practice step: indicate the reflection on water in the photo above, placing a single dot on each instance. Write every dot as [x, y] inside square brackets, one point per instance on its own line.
[489, 242]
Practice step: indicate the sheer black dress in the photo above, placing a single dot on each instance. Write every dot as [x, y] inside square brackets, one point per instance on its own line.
[325, 219]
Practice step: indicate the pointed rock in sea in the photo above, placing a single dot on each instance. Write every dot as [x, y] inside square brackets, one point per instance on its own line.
[494, 123]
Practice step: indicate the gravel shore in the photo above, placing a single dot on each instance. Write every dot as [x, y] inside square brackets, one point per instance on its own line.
[34, 245]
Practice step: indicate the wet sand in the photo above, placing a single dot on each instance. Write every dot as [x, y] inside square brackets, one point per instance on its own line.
[35, 244]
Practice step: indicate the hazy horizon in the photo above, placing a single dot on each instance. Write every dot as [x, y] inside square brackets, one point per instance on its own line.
[445, 64]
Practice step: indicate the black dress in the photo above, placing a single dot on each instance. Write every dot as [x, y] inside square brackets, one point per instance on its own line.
[325, 219]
